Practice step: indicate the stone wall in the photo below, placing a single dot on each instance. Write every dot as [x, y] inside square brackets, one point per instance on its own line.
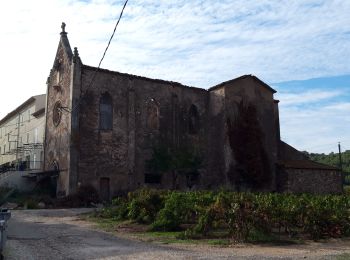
[119, 155]
[57, 134]
[247, 91]
[311, 181]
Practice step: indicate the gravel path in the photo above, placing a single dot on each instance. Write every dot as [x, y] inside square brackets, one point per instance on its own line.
[59, 234]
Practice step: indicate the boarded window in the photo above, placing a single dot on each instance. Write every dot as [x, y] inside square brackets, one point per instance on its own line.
[153, 178]
[193, 120]
[106, 112]
[153, 115]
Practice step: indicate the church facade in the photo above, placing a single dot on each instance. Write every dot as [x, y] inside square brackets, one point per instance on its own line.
[119, 132]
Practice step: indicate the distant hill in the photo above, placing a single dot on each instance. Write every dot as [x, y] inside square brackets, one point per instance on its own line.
[332, 159]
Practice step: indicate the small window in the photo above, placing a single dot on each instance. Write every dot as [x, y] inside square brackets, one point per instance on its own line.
[193, 120]
[106, 112]
[153, 178]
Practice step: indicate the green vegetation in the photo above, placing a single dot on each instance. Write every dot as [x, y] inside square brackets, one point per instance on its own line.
[252, 168]
[252, 217]
[332, 159]
[344, 256]
[181, 161]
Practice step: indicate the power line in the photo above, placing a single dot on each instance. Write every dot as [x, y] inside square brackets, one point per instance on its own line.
[1, 126]
[103, 56]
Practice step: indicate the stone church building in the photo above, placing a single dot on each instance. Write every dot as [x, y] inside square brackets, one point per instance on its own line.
[119, 132]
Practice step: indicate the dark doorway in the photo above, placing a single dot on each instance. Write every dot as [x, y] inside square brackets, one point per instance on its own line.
[104, 189]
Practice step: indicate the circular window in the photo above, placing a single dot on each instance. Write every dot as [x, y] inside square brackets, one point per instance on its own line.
[57, 113]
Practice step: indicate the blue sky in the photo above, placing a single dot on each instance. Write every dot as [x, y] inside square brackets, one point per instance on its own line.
[199, 43]
[314, 113]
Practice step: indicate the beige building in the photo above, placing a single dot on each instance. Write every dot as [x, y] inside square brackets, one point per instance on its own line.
[22, 135]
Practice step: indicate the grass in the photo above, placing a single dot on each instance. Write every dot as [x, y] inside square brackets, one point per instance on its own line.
[105, 224]
[345, 256]
[218, 242]
[143, 233]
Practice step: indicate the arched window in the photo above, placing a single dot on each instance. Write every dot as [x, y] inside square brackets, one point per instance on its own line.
[193, 120]
[106, 112]
[152, 115]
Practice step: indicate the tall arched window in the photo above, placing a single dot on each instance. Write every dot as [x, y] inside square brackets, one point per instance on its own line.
[106, 112]
[193, 120]
[153, 114]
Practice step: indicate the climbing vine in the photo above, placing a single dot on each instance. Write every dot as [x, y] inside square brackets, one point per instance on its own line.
[246, 141]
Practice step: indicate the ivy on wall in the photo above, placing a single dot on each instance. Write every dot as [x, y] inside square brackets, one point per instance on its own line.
[178, 161]
[246, 141]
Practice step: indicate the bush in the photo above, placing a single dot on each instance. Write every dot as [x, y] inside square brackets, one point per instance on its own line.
[179, 208]
[244, 216]
[145, 204]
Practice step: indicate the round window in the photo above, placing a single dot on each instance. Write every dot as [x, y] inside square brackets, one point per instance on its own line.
[57, 113]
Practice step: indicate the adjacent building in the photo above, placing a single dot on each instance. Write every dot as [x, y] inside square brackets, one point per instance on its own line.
[22, 136]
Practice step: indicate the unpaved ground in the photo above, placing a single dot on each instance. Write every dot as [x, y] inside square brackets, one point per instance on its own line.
[60, 234]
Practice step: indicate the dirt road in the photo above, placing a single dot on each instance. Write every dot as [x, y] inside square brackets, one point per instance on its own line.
[60, 234]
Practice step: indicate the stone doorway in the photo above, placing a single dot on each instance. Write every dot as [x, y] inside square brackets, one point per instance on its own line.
[104, 189]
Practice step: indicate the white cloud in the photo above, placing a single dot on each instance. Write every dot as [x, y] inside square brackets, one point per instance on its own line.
[306, 97]
[196, 42]
[316, 128]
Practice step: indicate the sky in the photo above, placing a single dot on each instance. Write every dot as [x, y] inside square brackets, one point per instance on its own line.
[300, 48]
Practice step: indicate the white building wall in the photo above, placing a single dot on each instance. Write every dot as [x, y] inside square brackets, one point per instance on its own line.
[22, 136]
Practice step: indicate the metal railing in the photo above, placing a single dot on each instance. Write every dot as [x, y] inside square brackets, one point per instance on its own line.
[21, 166]
[5, 215]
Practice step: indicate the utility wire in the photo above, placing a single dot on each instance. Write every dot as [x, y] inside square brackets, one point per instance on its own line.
[28, 120]
[103, 56]
[4, 141]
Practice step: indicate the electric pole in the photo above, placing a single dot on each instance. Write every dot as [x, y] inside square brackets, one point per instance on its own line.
[341, 164]
[340, 161]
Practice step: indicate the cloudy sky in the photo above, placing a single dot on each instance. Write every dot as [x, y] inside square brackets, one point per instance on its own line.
[199, 43]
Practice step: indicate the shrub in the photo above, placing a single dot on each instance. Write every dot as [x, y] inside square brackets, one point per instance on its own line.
[145, 204]
[179, 208]
[244, 216]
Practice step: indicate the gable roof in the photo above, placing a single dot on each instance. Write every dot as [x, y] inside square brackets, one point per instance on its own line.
[131, 76]
[25, 104]
[259, 81]
[307, 164]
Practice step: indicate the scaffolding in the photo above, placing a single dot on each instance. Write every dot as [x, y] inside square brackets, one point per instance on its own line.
[22, 162]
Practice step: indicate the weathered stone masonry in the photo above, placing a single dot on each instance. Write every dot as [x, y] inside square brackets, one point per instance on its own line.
[146, 114]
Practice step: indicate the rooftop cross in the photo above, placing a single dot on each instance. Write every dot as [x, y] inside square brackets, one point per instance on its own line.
[63, 26]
